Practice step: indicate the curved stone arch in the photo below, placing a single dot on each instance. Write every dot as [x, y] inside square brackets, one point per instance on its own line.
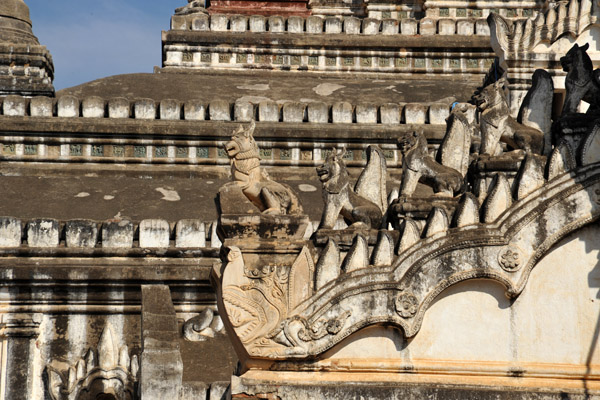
[524, 232]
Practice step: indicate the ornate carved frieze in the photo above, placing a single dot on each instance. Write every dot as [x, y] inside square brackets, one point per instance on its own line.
[564, 17]
[505, 249]
[500, 201]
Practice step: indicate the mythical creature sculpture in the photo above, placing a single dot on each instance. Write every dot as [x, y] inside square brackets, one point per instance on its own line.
[269, 196]
[362, 206]
[418, 165]
[497, 124]
[582, 81]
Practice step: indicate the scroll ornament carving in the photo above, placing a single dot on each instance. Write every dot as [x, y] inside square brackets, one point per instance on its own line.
[106, 369]
[203, 326]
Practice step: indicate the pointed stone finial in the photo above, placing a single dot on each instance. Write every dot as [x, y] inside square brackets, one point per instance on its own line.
[328, 266]
[410, 235]
[358, 256]
[467, 211]
[384, 250]
[107, 355]
[498, 200]
[530, 176]
[437, 222]
[561, 160]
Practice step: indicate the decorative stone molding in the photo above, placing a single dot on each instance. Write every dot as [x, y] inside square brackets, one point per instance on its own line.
[19, 325]
[68, 106]
[333, 24]
[106, 369]
[492, 218]
[86, 235]
[504, 249]
[568, 17]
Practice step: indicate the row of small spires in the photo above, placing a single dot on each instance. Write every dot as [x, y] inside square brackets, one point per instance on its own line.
[330, 25]
[69, 106]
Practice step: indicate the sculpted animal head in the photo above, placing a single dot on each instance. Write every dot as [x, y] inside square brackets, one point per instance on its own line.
[333, 166]
[491, 95]
[577, 57]
[408, 142]
[242, 142]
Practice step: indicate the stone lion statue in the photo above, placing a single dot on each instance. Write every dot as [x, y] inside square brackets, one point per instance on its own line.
[360, 206]
[497, 125]
[418, 165]
[269, 196]
[582, 81]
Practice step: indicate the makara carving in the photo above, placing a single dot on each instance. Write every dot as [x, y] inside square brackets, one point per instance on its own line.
[362, 206]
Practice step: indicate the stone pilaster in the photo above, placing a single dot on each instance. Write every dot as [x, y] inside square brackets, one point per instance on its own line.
[161, 369]
[18, 333]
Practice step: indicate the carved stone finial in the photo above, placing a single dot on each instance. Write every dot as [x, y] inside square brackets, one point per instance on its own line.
[536, 109]
[561, 160]
[530, 176]
[411, 234]
[328, 266]
[358, 256]
[113, 367]
[383, 253]
[498, 200]
[467, 211]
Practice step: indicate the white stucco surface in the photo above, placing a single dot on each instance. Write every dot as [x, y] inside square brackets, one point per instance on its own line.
[555, 320]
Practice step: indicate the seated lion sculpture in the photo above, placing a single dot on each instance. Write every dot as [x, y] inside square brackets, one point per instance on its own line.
[269, 196]
[352, 203]
[418, 165]
[582, 81]
[497, 125]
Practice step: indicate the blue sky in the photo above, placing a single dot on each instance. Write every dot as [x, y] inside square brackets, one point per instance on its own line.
[91, 39]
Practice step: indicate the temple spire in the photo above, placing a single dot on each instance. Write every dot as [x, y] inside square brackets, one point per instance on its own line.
[26, 67]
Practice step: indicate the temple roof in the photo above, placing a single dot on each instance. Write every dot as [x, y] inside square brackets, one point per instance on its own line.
[279, 86]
